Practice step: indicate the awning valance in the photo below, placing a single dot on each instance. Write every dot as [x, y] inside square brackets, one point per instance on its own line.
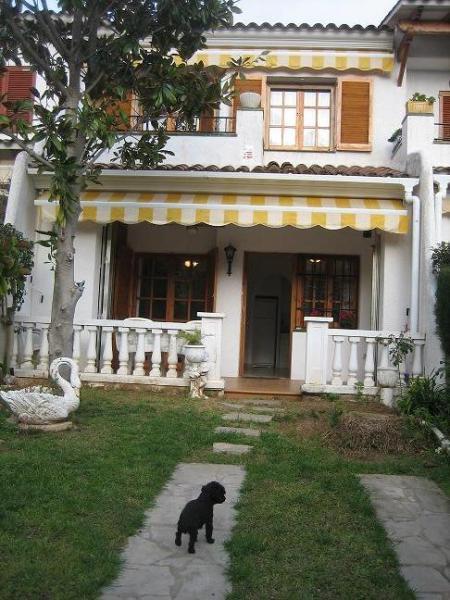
[245, 211]
[302, 59]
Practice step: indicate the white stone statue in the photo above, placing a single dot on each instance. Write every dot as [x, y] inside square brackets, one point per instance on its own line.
[39, 408]
[198, 379]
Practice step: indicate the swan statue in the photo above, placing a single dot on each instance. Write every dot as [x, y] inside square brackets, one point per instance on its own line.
[37, 406]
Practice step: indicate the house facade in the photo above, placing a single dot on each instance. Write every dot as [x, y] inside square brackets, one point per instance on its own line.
[289, 229]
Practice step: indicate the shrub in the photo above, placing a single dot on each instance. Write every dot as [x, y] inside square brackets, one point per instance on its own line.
[192, 338]
[16, 262]
[427, 398]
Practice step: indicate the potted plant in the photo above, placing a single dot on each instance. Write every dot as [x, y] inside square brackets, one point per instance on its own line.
[346, 319]
[194, 350]
[420, 103]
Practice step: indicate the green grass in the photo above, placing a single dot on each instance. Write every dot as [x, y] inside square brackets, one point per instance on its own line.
[306, 528]
[70, 500]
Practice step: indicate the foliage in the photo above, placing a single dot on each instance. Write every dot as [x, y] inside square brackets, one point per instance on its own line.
[16, 262]
[192, 337]
[336, 413]
[49, 243]
[440, 256]
[397, 133]
[418, 97]
[92, 56]
[442, 310]
[359, 388]
[427, 398]
[399, 348]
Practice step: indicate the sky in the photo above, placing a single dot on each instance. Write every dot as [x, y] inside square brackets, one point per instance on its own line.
[364, 12]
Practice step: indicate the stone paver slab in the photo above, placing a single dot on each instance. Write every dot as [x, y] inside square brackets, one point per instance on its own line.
[262, 409]
[239, 430]
[416, 516]
[247, 417]
[231, 448]
[154, 568]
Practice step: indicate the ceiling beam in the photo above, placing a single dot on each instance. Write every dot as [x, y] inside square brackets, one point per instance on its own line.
[424, 27]
[403, 52]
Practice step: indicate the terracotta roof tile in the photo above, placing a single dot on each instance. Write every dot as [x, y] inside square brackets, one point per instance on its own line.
[287, 168]
[305, 26]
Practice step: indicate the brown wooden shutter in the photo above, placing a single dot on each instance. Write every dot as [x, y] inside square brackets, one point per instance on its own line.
[245, 85]
[444, 115]
[17, 83]
[206, 121]
[124, 105]
[354, 115]
[123, 275]
[212, 270]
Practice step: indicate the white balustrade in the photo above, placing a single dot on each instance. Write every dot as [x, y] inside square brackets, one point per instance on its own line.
[353, 362]
[107, 351]
[76, 351]
[92, 350]
[337, 360]
[172, 358]
[28, 350]
[156, 354]
[13, 363]
[43, 350]
[123, 351]
[139, 358]
[417, 368]
[369, 365]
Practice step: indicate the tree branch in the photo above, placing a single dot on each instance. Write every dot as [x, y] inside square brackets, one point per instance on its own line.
[37, 157]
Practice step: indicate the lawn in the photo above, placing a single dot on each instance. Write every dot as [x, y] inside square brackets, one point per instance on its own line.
[306, 528]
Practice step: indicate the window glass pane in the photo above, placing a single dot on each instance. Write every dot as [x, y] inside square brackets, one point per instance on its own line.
[323, 137]
[161, 266]
[309, 117]
[180, 311]
[290, 98]
[158, 309]
[195, 308]
[146, 265]
[181, 289]
[309, 137]
[144, 308]
[324, 98]
[323, 117]
[159, 288]
[276, 116]
[146, 288]
[275, 137]
[198, 289]
[276, 98]
[309, 98]
[290, 117]
[289, 137]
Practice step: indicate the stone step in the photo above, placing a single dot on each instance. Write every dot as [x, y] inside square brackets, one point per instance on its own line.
[248, 417]
[231, 448]
[239, 430]
[260, 402]
[238, 406]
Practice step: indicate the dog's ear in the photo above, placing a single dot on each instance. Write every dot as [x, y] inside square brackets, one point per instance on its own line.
[203, 488]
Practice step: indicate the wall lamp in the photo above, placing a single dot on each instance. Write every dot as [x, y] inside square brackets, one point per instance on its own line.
[230, 251]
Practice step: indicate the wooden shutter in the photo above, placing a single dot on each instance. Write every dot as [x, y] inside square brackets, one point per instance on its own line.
[123, 275]
[124, 105]
[245, 85]
[354, 114]
[444, 115]
[206, 121]
[16, 83]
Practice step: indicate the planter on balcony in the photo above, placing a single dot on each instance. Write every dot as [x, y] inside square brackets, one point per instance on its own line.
[250, 100]
[419, 107]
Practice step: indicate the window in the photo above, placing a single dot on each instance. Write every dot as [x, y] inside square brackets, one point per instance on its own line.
[300, 119]
[173, 287]
[16, 84]
[444, 116]
[327, 286]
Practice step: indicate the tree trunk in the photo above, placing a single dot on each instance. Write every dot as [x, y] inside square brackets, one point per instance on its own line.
[66, 292]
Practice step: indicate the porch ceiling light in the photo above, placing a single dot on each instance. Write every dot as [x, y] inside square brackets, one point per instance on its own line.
[230, 251]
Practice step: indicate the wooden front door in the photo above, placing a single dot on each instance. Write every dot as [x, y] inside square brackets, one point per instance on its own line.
[265, 332]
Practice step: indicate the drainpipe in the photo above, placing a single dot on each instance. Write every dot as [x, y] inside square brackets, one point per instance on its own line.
[443, 182]
[410, 198]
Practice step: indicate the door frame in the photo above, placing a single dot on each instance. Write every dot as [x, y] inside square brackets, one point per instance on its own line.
[244, 299]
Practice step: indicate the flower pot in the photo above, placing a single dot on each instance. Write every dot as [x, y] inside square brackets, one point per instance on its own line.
[250, 100]
[387, 377]
[419, 106]
[195, 353]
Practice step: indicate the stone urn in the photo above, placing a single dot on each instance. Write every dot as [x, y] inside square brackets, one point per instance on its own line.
[387, 378]
[250, 100]
[195, 353]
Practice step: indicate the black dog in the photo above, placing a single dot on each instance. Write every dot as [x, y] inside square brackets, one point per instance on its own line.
[199, 512]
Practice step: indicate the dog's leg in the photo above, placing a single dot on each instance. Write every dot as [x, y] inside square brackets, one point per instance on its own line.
[192, 540]
[209, 531]
[178, 538]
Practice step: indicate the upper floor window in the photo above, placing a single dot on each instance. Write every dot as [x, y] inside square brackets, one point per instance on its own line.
[300, 119]
[15, 86]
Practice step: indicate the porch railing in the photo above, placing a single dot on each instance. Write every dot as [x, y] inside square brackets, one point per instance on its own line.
[442, 132]
[199, 125]
[129, 351]
[345, 360]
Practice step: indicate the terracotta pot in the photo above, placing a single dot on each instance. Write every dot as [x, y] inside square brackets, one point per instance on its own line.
[418, 106]
[195, 353]
[250, 100]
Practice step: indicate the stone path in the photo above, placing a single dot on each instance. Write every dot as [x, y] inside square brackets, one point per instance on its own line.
[240, 430]
[156, 569]
[416, 516]
[248, 417]
[257, 408]
[231, 448]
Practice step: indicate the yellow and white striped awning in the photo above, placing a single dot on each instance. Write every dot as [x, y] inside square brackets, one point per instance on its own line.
[231, 209]
[301, 59]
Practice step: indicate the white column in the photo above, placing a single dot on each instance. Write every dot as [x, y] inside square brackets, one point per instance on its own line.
[139, 357]
[384, 360]
[417, 368]
[15, 347]
[211, 329]
[156, 354]
[415, 263]
[369, 366]
[43, 350]
[28, 351]
[123, 351]
[92, 350]
[107, 351]
[337, 360]
[353, 361]
[76, 350]
[172, 357]
[317, 349]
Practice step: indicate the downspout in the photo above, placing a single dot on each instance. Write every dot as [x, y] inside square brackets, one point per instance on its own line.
[414, 200]
[375, 308]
